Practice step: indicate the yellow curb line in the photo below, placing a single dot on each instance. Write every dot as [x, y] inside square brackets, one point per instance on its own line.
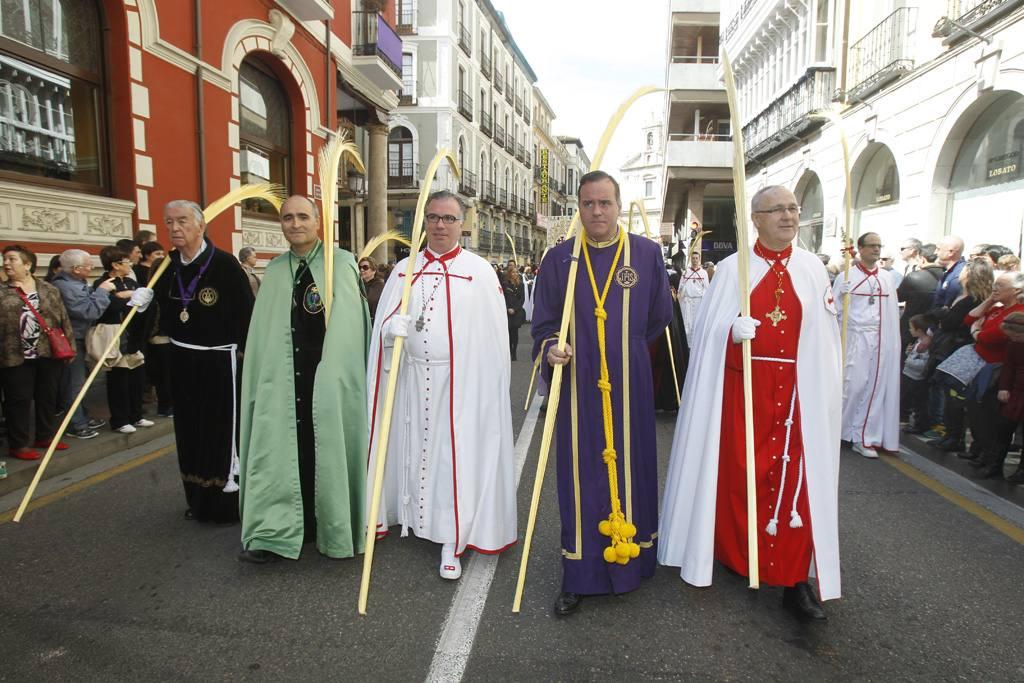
[990, 518]
[89, 481]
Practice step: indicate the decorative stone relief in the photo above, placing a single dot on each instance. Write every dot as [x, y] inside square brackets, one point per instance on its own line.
[106, 226]
[284, 29]
[45, 220]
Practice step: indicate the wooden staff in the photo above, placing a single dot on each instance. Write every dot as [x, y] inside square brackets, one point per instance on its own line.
[743, 267]
[554, 392]
[271, 193]
[847, 232]
[328, 164]
[639, 206]
[513, 245]
[396, 359]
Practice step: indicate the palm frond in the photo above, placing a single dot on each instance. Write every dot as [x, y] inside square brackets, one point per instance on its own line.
[381, 239]
[269, 192]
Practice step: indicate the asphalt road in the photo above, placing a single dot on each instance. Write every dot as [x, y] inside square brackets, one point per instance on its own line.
[110, 583]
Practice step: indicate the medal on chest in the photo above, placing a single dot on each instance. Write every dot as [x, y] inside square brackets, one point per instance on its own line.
[778, 267]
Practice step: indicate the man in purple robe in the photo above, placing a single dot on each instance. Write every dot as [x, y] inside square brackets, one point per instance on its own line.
[622, 303]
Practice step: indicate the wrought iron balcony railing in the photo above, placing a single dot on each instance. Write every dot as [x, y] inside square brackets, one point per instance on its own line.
[489, 194]
[485, 123]
[977, 13]
[793, 113]
[372, 35]
[499, 80]
[499, 134]
[509, 97]
[503, 197]
[403, 174]
[466, 104]
[883, 54]
[485, 66]
[465, 40]
[519, 104]
[467, 184]
[405, 14]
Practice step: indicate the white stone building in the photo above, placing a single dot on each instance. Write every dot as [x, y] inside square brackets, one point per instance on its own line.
[931, 99]
[641, 179]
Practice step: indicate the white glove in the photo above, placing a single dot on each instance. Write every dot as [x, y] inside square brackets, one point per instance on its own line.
[398, 326]
[141, 298]
[845, 286]
[744, 328]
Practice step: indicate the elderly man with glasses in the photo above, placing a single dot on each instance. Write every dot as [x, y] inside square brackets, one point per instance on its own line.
[871, 380]
[449, 473]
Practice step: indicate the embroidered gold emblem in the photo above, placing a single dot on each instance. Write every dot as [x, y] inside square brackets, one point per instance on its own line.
[208, 296]
[626, 277]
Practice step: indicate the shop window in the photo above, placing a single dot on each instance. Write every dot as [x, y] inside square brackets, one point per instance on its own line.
[265, 132]
[991, 151]
[880, 182]
[811, 216]
[52, 123]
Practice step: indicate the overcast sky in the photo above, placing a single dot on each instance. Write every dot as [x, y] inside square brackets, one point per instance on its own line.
[590, 55]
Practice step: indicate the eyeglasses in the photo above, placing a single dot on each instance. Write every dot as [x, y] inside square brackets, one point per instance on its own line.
[779, 210]
[905, 248]
[364, 266]
[448, 219]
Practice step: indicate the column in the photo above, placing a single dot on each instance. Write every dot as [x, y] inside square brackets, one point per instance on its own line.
[377, 188]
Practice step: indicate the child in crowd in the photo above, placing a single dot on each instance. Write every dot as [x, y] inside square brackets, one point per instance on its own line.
[914, 389]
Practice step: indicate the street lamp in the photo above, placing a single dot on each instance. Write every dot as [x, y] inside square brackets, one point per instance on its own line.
[356, 182]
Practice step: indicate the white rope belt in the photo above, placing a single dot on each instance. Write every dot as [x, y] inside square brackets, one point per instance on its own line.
[795, 522]
[234, 469]
[769, 359]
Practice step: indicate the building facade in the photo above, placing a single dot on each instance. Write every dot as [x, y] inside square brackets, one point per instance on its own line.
[468, 88]
[641, 179]
[578, 164]
[931, 99]
[697, 186]
[111, 108]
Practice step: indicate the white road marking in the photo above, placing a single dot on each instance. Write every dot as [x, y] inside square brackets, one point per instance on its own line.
[456, 642]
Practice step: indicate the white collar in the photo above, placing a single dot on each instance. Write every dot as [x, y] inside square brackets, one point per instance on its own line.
[186, 261]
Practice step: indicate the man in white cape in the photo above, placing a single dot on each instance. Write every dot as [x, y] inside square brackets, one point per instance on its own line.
[693, 285]
[871, 377]
[795, 374]
[449, 474]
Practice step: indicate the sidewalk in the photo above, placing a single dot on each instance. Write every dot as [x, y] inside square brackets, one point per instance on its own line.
[1005, 490]
[83, 452]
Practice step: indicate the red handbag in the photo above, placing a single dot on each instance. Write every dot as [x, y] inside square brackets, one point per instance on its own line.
[60, 347]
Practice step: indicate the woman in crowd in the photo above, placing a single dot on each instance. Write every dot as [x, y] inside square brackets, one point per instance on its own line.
[126, 378]
[28, 372]
[986, 320]
[952, 334]
[1011, 389]
[372, 281]
[512, 284]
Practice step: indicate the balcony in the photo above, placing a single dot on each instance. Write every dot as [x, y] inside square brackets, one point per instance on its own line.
[465, 40]
[503, 197]
[509, 97]
[699, 152]
[309, 10]
[528, 161]
[376, 50]
[499, 135]
[499, 81]
[466, 105]
[519, 104]
[531, 211]
[883, 54]
[514, 202]
[522, 206]
[406, 100]
[405, 12]
[976, 15]
[689, 78]
[403, 174]
[488, 194]
[485, 66]
[520, 152]
[794, 113]
[467, 184]
[526, 115]
[536, 173]
[485, 123]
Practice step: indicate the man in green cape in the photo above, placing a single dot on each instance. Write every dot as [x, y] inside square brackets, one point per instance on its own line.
[303, 423]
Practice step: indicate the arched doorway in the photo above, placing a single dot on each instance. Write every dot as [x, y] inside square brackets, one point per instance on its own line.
[876, 198]
[812, 212]
[986, 185]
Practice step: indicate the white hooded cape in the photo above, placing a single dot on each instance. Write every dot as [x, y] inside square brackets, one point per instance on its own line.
[687, 530]
[470, 401]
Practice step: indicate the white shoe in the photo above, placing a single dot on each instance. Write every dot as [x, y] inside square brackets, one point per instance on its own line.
[866, 451]
[126, 429]
[451, 567]
[144, 423]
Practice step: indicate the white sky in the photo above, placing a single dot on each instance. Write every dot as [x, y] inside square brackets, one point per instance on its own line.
[589, 56]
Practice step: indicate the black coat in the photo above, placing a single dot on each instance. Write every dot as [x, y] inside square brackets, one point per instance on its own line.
[514, 299]
[915, 293]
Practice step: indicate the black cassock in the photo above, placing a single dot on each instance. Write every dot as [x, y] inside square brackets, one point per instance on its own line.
[205, 308]
[665, 396]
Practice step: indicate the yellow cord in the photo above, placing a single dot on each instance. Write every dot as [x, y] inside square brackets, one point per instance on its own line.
[616, 527]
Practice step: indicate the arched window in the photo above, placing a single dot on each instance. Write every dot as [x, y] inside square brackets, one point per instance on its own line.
[811, 215]
[650, 140]
[483, 171]
[264, 131]
[991, 151]
[401, 169]
[462, 154]
[880, 183]
[52, 122]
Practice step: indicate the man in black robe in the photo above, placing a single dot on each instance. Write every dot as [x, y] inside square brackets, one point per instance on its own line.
[205, 305]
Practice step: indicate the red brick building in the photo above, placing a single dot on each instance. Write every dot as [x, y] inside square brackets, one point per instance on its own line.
[111, 108]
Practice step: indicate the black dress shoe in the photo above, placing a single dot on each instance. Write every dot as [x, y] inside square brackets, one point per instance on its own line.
[256, 556]
[1017, 477]
[189, 515]
[987, 472]
[801, 599]
[567, 603]
[967, 455]
[950, 445]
